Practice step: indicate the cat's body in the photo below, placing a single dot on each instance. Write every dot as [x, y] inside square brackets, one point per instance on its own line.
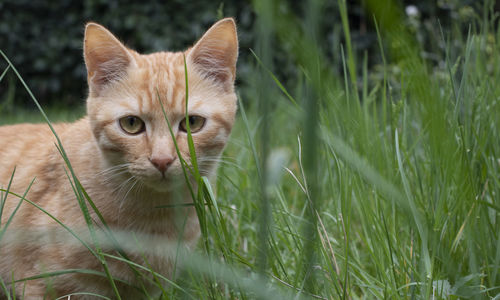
[123, 155]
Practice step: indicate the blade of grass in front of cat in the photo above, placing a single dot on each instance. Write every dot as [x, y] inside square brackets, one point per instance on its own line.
[96, 254]
[209, 194]
[184, 164]
[78, 190]
[68, 271]
[4, 288]
[220, 233]
[198, 201]
[3, 196]
[110, 234]
[185, 167]
[146, 261]
[200, 211]
[221, 237]
[108, 231]
[13, 286]
[205, 193]
[252, 284]
[192, 151]
[218, 272]
[2, 232]
[147, 269]
[24, 290]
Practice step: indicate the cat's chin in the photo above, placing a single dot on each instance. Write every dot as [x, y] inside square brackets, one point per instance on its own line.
[164, 185]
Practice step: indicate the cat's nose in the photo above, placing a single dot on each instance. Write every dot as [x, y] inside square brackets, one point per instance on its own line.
[162, 163]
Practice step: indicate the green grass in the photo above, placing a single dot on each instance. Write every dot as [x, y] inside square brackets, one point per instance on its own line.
[30, 115]
[357, 186]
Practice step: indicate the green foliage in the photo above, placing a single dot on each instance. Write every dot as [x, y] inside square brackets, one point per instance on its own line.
[44, 39]
[357, 174]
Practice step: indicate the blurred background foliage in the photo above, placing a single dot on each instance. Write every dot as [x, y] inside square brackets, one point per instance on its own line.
[44, 38]
[444, 126]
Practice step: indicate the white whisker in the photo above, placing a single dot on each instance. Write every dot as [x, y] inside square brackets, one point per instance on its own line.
[122, 185]
[113, 168]
[124, 198]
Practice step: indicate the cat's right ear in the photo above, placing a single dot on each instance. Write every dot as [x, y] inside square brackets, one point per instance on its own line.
[216, 53]
[106, 58]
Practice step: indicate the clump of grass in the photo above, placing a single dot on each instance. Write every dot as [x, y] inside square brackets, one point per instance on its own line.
[353, 186]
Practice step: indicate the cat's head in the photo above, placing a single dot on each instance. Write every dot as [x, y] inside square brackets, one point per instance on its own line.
[127, 91]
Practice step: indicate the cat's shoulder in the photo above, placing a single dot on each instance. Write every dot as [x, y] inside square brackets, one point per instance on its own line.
[25, 130]
[42, 130]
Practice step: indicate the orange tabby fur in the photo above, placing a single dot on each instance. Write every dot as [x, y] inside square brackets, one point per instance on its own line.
[121, 83]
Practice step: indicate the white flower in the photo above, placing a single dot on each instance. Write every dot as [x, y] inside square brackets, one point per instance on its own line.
[412, 11]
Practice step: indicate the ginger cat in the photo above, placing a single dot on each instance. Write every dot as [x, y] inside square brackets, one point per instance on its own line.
[124, 156]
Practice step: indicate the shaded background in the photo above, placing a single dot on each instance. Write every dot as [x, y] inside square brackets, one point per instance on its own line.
[424, 121]
[44, 38]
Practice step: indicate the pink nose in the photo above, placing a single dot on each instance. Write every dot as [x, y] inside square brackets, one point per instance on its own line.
[162, 163]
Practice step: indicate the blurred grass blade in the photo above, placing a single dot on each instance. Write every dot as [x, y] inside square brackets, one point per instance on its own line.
[67, 271]
[421, 227]
[4, 72]
[4, 289]
[275, 79]
[337, 146]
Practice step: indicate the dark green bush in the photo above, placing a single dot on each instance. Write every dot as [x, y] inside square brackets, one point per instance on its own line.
[44, 38]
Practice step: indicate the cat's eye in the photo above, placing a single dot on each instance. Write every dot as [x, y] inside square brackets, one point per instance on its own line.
[132, 124]
[195, 123]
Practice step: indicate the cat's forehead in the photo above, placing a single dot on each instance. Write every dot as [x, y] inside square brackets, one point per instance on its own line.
[160, 59]
[160, 76]
[161, 67]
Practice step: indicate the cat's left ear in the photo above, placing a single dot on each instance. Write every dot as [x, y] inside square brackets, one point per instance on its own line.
[216, 53]
[106, 58]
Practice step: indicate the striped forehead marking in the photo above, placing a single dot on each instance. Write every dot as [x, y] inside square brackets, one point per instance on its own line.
[164, 77]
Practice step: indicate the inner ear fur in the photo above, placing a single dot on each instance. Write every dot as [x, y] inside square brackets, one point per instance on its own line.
[106, 58]
[216, 53]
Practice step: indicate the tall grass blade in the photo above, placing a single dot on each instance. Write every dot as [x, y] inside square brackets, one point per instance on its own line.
[11, 217]
[3, 195]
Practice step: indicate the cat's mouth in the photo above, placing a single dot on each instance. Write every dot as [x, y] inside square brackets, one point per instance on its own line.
[164, 183]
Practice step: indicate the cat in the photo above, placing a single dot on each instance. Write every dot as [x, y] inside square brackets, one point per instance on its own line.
[123, 154]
